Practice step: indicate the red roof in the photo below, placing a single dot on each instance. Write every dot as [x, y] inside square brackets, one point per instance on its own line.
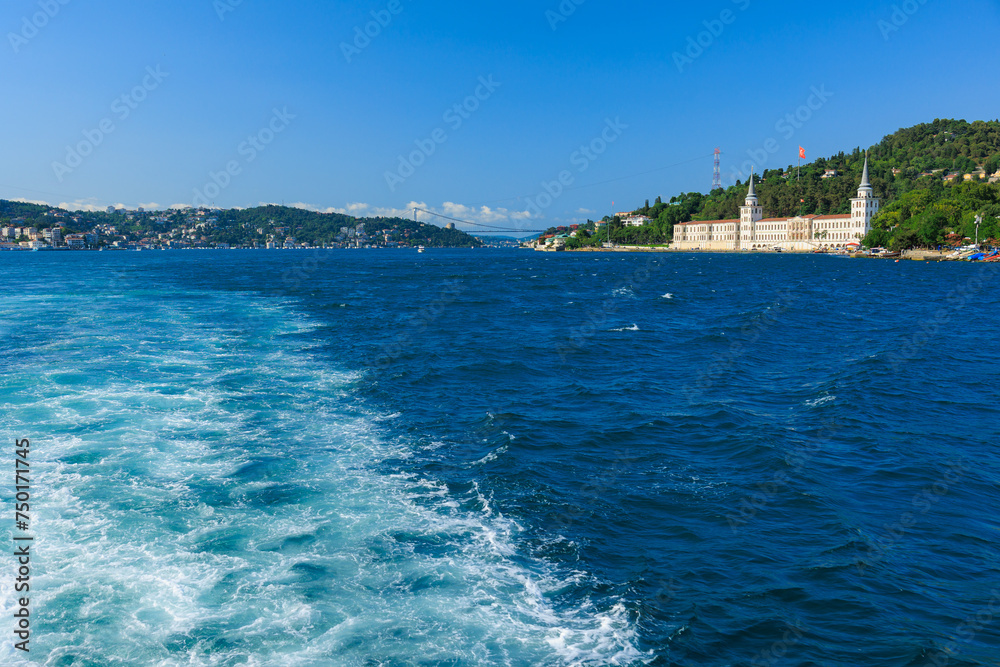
[705, 222]
[841, 216]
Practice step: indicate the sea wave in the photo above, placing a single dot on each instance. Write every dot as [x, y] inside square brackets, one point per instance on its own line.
[215, 497]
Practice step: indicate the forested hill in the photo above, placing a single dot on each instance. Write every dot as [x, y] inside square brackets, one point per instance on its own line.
[318, 228]
[924, 157]
[236, 226]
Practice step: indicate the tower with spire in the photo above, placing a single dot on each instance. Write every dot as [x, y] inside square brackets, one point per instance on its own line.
[863, 207]
[750, 214]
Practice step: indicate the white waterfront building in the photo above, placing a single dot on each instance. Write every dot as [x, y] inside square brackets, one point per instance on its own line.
[752, 231]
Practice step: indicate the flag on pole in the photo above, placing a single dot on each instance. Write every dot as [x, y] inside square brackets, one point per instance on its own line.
[802, 153]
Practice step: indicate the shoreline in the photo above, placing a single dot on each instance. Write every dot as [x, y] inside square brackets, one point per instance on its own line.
[911, 255]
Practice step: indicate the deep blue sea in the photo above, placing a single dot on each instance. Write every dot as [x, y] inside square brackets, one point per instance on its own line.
[476, 457]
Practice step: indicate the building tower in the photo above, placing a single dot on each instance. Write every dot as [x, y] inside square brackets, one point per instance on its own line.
[750, 214]
[717, 181]
[863, 207]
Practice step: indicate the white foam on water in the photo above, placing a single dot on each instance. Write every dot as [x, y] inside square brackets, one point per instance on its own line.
[214, 496]
[492, 456]
[817, 402]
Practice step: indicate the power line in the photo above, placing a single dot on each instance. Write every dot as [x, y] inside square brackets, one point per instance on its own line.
[578, 187]
[477, 224]
[611, 180]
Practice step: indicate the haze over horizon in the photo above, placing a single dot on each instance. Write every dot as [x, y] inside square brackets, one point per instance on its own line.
[478, 113]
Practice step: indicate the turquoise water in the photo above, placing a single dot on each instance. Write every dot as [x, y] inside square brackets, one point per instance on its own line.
[503, 457]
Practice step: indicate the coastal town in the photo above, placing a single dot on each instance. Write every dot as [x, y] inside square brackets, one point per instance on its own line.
[932, 190]
[266, 228]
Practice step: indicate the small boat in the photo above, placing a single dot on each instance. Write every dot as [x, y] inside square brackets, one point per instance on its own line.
[420, 248]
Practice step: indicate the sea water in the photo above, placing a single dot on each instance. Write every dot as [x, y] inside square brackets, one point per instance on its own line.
[472, 457]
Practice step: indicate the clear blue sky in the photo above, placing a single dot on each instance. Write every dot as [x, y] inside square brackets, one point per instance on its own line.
[881, 65]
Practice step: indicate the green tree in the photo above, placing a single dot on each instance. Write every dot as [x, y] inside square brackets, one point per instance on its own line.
[904, 240]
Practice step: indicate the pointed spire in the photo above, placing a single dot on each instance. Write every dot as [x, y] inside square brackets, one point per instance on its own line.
[752, 194]
[866, 186]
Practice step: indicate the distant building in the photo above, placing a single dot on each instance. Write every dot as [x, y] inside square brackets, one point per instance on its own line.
[111, 209]
[636, 221]
[752, 231]
[76, 241]
[830, 173]
[450, 225]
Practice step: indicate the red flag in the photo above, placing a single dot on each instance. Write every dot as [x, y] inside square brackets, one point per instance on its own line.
[802, 153]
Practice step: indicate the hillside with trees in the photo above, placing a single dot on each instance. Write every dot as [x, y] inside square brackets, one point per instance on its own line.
[235, 227]
[920, 173]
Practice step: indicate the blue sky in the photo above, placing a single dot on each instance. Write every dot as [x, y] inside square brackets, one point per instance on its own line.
[242, 102]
